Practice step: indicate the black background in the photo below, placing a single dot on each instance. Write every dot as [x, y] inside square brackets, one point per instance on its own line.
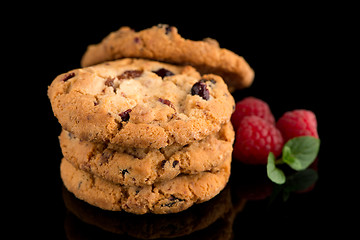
[296, 61]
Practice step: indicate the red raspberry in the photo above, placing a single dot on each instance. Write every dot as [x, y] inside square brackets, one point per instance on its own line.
[297, 123]
[255, 139]
[251, 106]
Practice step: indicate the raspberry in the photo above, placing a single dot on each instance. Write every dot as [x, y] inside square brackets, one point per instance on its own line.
[255, 139]
[251, 106]
[297, 123]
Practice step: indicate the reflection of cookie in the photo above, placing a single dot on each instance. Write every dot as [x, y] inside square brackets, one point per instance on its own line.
[170, 196]
[137, 166]
[151, 226]
[140, 103]
[163, 43]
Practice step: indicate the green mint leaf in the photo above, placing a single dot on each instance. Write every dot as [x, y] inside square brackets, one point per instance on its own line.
[300, 152]
[275, 174]
[289, 158]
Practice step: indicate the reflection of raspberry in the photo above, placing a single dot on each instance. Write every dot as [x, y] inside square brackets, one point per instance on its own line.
[297, 123]
[251, 106]
[255, 139]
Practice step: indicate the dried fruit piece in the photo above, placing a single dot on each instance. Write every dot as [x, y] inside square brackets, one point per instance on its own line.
[109, 82]
[68, 76]
[123, 172]
[130, 74]
[136, 39]
[173, 200]
[167, 102]
[162, 72]
[125, 115]
[200, 89]
[176, 162]
[163, 162]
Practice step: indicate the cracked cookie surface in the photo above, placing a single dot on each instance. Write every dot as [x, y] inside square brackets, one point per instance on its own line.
[138, 166]
[140, 103]
[163, 43]
[164, 197]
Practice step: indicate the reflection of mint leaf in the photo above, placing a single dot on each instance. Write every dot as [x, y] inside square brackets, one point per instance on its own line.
[300, 152]
[301, 180]
[275, 174]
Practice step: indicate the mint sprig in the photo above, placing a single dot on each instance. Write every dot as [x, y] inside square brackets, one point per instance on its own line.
[298, 153]
[275, 174]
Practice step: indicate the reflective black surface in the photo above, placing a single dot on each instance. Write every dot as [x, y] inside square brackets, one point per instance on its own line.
[248, 202]
[290, 57]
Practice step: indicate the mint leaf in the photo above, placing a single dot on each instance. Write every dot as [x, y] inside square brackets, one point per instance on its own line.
[289, 158]
[275, 174]
[300, 152]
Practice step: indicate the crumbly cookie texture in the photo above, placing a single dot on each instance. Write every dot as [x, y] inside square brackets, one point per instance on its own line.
[163, 43]
[140, 103]
[164, 197]
[139, 166]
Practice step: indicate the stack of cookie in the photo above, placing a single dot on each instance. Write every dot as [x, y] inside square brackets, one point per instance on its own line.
[143, 135]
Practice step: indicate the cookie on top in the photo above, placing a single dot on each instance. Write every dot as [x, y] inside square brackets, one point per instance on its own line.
[140, 103]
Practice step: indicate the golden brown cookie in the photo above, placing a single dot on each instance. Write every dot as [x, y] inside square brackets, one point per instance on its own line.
[140, 103]
[163, 43]
[138, 166]
[164, 197]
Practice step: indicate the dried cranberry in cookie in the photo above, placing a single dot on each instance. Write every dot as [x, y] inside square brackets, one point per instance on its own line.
[200, 89]
[130, 74]
[125, 115]
[167, 102]
[162, 72]
[68, 76]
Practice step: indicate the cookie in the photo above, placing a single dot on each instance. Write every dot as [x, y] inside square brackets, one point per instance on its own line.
[140, 103]
[163, 43]
[165, 197]
[138, 166]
